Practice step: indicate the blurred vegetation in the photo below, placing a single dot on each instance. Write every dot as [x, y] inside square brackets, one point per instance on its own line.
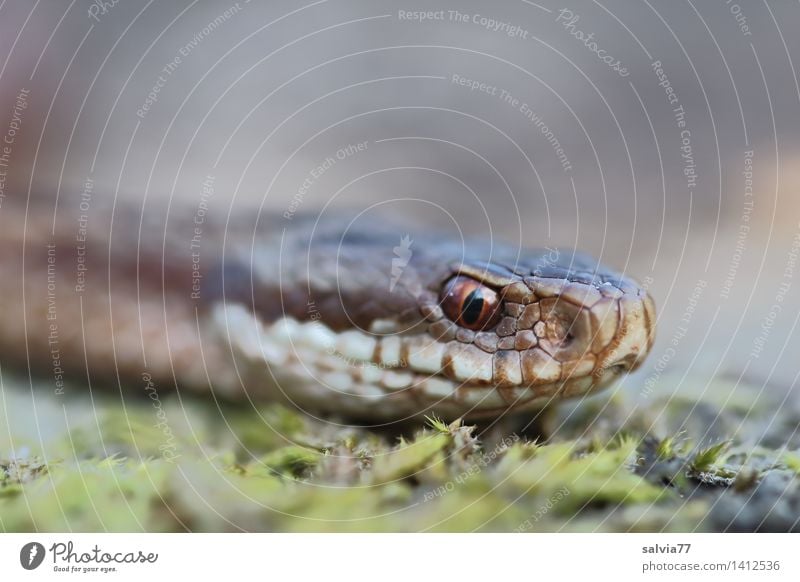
[728, 461]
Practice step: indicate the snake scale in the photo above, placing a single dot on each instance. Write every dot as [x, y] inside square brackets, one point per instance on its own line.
[360, 319]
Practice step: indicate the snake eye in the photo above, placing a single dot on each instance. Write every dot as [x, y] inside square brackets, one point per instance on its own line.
[470, 304]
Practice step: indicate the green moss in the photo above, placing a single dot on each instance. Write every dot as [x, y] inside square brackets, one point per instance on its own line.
[409, 458]
[294, 462]
[704, 460]
[607, 467]
[438, 425]
[792, 461]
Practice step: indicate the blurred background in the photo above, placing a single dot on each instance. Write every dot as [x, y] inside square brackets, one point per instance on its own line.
[502, 119]
[661, 136]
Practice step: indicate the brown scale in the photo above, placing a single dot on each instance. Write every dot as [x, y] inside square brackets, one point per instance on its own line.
[551, 331]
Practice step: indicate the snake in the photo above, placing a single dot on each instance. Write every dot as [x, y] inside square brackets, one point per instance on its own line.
[371, 319]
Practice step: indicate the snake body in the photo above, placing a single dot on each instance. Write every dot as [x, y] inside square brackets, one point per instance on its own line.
[359, 319]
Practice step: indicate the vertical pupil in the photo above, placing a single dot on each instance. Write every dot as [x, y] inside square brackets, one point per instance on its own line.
[472, 307]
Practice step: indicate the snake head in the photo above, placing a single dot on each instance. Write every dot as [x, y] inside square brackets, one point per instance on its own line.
[535, 335]
[379, 326]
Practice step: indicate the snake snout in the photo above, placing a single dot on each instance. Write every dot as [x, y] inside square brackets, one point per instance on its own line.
[635, 333]
[565, 330]
[590, 333]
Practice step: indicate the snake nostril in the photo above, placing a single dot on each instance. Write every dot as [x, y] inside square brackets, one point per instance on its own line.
[556, 330]
[564, 330]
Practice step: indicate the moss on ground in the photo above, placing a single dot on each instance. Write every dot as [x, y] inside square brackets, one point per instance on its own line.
[610, 464]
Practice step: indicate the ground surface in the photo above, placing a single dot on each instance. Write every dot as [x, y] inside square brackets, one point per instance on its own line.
[727, 460]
